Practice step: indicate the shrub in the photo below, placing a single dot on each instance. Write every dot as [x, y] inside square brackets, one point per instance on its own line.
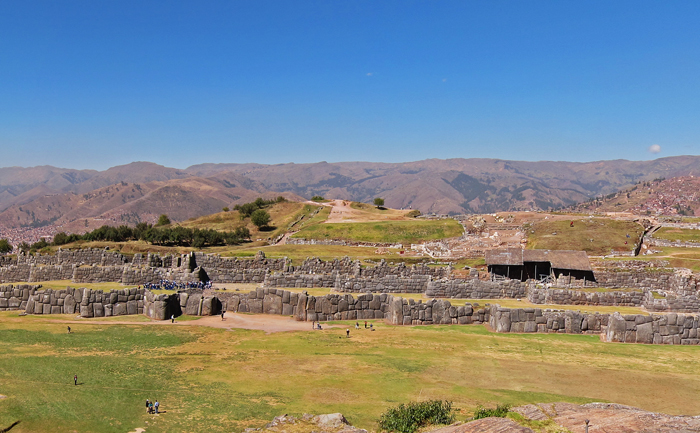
[317, 198]
[163, 220]
[413, 214]
[501, 411]
[5, 246]
[260, 218]
[407, 418]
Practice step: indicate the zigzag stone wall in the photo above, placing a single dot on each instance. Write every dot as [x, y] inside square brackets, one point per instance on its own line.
[473, 288]
[15, 297]
[573, 297]
[86, 302]
[669, 328]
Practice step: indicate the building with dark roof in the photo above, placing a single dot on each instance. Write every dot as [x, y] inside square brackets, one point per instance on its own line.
[523, 265]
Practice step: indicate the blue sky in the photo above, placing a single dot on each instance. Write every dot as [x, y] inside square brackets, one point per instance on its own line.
[93, 84]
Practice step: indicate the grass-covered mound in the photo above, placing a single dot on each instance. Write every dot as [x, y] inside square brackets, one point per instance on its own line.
[596, 236]
[405, 232]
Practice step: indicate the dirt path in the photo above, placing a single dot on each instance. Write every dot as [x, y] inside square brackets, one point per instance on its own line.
[260, 322]
[341, 212]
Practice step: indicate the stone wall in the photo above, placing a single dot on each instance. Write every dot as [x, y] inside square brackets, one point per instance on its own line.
[86, 302]
[384, 284]
[88, 256]
[574, 297]
[35, 273]
[302, 241]
[300, 280]
[15, 297]
[308, 308]
[474, 288]
[669, 328]
[526, 320]
[661, 279]
[96, 303]
[433, 312]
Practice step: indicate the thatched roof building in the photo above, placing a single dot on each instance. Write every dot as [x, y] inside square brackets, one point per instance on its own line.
[522, 264]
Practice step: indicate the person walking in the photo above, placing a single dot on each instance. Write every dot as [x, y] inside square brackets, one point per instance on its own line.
[347, 332]
[75, 379]
[156, 405]
[172, 318]
[69, 329]
[222, 315]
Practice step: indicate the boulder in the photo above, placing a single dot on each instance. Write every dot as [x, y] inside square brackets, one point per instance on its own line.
[617, 327]
[192, 306]
[330, 420]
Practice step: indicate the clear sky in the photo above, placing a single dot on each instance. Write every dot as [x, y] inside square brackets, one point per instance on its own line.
[93, 84]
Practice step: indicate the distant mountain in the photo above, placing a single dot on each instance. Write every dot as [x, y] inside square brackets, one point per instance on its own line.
[133, 192]
[460, 185]
[675, 196]
[131, 203]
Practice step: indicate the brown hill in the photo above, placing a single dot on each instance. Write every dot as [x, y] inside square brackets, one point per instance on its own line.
[675, 196]
[460, 185]
[130, 203]
[433, 185]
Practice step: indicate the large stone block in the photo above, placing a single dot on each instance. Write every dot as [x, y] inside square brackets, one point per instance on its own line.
[193, 305]
[272, 304]
[119, 309]
[503, 322]
[131, 307]
[617, 328]
[98, 310]
[86, 310]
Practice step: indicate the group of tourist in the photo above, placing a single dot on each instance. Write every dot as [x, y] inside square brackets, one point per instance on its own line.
[152, 407]
[176, 285]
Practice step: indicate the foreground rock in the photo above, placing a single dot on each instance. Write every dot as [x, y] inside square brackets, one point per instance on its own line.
[486, 425]
[326, 423]
[602, 417]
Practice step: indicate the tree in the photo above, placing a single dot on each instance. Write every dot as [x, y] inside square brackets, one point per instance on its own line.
[5, 246]
[379, 202]
[225, 209]
[260, 218]
[247, 209]
[163, 220]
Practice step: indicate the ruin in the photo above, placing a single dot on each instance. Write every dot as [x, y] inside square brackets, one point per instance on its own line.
[642, 284]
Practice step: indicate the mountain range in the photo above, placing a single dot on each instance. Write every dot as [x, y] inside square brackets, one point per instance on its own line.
[37, 196]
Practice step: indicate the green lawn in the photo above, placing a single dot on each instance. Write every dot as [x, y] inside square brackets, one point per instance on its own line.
[674, 234]
[597, 236]
[218, 380]
[405, 232]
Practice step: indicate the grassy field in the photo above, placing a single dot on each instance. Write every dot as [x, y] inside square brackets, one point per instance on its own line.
[596, 236]
[405, 232]
[678, 257]
[675, 234]
[367, 212]
[218, 380]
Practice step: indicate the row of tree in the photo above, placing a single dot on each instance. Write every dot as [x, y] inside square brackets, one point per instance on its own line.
[167, 236]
